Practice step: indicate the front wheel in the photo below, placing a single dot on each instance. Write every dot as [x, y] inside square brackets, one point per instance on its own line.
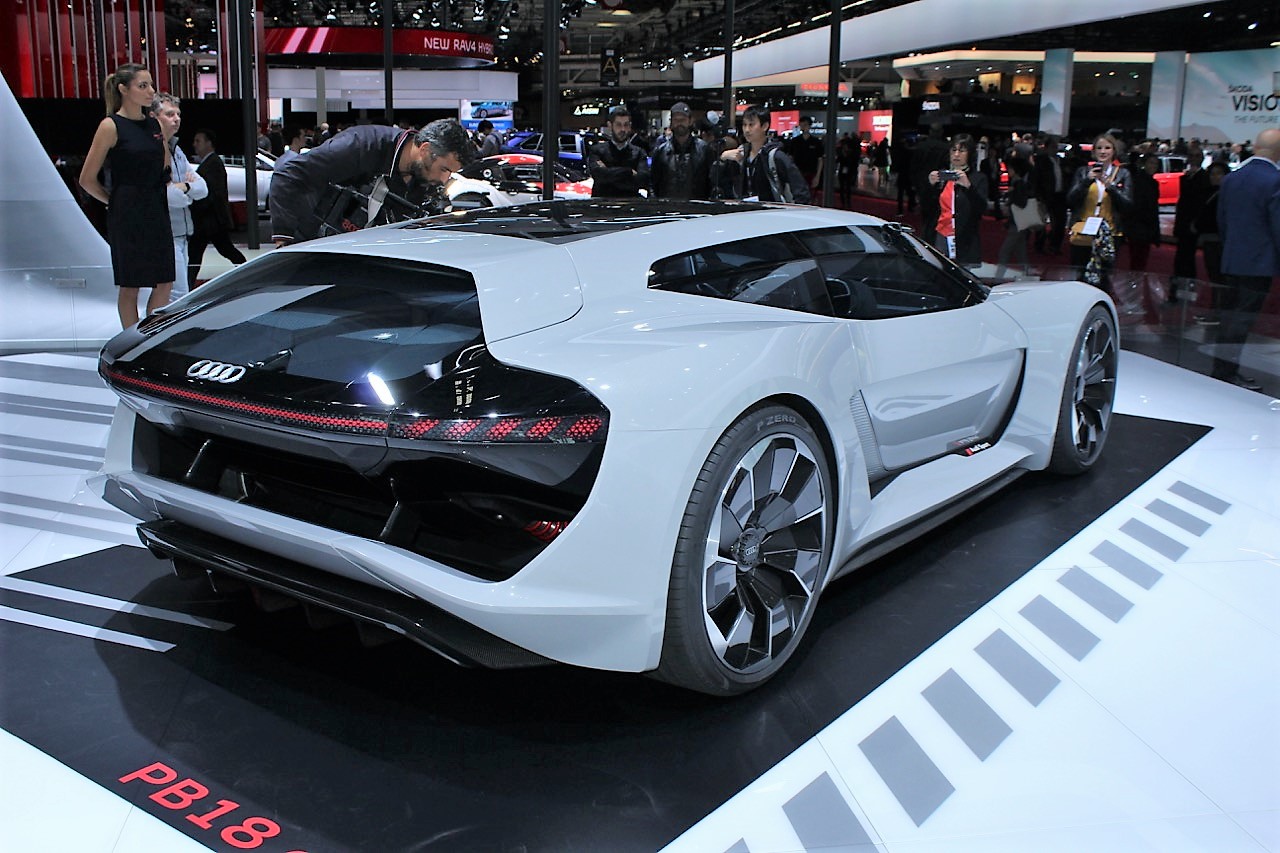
[1088, 395]
[751, 555]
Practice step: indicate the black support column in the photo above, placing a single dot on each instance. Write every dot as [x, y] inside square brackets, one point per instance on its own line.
[830, 168]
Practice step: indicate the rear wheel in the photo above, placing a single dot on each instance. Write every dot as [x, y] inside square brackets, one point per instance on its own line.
[751, 556]
[1088, 395]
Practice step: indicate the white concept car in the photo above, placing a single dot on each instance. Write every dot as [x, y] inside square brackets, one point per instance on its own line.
[629, 435]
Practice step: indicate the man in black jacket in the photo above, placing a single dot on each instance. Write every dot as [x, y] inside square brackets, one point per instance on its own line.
[682, 164]
[367, 175]
[1193, 194]
[619, 168]
[1051, 188]
[211, 215]
[931, 155]
[760, 169]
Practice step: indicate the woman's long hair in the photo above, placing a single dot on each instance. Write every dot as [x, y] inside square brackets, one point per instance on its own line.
[124, 74]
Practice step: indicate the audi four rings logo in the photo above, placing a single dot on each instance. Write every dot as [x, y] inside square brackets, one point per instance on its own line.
[215, 371]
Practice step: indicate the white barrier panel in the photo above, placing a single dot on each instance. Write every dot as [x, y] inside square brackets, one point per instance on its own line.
[55, 269]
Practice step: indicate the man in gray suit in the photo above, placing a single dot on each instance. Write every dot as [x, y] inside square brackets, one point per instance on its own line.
[1249, 222]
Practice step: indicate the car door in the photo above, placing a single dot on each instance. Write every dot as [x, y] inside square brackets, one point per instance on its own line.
[940, 366]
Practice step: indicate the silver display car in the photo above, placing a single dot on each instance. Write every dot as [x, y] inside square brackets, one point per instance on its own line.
[265, 165]
[636, 436]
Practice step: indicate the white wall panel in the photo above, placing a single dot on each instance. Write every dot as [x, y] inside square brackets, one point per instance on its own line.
[922, 25]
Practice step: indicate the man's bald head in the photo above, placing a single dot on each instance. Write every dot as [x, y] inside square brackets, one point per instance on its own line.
[1268, 144]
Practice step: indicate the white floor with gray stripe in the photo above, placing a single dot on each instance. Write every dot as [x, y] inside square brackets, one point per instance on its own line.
[1123, 695]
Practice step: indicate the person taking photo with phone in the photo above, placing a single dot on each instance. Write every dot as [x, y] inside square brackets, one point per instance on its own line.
[961, 197]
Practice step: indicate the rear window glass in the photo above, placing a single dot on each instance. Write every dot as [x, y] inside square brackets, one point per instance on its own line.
[330, 317]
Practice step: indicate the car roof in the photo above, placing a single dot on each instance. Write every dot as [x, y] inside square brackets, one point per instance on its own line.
[567, 221]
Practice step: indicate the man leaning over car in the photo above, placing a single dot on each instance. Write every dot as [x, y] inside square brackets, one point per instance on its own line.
[367, 175]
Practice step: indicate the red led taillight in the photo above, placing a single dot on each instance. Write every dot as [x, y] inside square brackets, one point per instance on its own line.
[566, 429]
[545, 531]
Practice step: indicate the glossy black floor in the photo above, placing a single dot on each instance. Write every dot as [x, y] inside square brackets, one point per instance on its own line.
[389, 749]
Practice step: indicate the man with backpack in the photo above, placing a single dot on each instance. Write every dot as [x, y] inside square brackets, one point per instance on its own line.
[764, 171]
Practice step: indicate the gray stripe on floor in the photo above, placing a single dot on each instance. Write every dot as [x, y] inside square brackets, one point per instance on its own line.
[1162, 544]
[1018, 667]
[53, 403]
[49, 459]
[65, 626]
[56, 414]
[1126, 564]
[821, 817]
[967, 713]
[1188, 522]
[105, 513]
[1074, 639]
[912, 777]
[114, 537]
[1196, 496]
[55, 446]
[87, 377]
[1095, 593]
[102, 602]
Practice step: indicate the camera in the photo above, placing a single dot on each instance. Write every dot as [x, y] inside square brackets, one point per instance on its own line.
[948, 174]
[1093, 164]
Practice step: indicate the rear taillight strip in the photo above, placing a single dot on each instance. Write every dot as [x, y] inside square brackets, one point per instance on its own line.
[564, 429]
[332, 423]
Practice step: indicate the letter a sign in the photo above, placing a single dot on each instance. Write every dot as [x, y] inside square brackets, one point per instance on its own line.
[610, 72]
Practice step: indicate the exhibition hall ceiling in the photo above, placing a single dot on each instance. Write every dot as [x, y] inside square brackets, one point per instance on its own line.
[665, 33]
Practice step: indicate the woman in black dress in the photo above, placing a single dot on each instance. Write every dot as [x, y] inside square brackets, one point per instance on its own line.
[129, 143]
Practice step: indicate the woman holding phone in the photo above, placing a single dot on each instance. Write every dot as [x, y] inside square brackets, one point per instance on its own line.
[1100, 194]
[962, 195]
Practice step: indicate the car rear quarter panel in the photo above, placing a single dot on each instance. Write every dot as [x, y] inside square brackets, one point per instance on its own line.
[1051, 313]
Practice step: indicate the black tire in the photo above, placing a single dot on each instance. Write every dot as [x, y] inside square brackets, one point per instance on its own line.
[755, 541]
[482, 113]
[1088, 395]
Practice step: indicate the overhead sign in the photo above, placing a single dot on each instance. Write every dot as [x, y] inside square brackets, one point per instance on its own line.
[610, 68]
[1231, 96]
[819, 90]
[362, 46]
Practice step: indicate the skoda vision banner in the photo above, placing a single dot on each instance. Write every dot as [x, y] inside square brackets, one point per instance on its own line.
[1231, 96]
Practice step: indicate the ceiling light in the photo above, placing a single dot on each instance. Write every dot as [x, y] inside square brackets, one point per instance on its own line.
[1254, 25]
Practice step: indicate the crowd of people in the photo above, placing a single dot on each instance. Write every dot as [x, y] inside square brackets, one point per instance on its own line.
[165, 208]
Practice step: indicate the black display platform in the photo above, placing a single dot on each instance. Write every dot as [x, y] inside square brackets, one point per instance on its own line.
[390, 749]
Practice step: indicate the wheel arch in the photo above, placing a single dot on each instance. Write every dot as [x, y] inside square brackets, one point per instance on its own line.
[820, 426]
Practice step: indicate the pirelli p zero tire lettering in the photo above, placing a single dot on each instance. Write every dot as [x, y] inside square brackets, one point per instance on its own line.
[216, 371]
[1088, 395]
[751, 557]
